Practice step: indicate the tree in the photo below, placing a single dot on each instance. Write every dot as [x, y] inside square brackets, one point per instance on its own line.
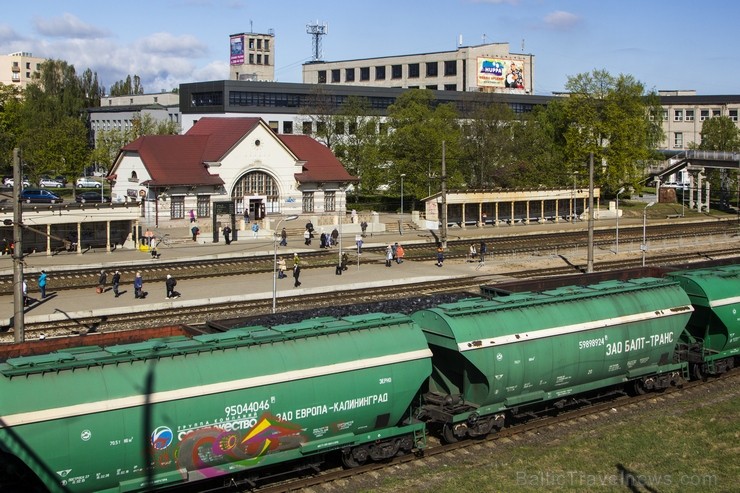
[720, 134]
[360, 149]
[611, 118]
[128, 87]
[418, 127]
[10, 106]
[323, 111]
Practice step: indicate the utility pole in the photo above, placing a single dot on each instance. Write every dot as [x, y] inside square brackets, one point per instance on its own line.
[18, 299]
[590, 261]
[444, 198]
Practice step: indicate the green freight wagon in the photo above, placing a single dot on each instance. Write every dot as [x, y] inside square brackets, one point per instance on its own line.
[493, 358]
[711, 342]
[176, 410]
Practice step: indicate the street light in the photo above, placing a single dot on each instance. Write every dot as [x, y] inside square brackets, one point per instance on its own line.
[643, 247]
[616, 249]
[402, 176]
[274, 259]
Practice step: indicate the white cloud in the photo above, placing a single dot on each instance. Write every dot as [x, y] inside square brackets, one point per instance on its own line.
[67, 26]
[561, 20]
[168, 44]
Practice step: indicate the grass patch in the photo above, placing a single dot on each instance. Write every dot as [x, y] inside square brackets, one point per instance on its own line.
[663, 449]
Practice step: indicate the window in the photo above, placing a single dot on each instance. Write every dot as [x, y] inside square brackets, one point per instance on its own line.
[203, 208]
[353, 128]
[322, 76]
[364, 73]
[349, 75]
[287, 127]
[678, 140]
[396, 72]
[259, 59]
[432, 68]
[267, 59]
[274, 125]
[330, 200]
[413, 70]
[664, 115]
[379, 73]
[433, 87]
[251, 58]
[704, 115]
[339, 128]
[307, 128]
[307, 201]
[321, 128]
[689, 115]
[258, 183]
[259, 44]
[251, 43]
[716, 113]
[267, 45]
[733, 115]
[450, 68]
[677, 115]
[177, 207]
[450, 87]
[336, 76]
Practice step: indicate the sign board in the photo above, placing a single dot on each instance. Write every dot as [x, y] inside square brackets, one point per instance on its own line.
[224, 207]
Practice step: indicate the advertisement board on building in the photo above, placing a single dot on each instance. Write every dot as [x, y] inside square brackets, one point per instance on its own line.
[432, 211]
[500, 72]
[237, 50]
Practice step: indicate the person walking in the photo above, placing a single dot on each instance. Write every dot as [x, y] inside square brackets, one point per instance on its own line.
[255, 229]
[283, 238]
[42, 283]
[296, 274]
[102, 281]
[170, 284]
[388, 255]
[482, 252]
[307, 237]
[26, 301]
[399, 254]
[116, 283]
[246, 216]
[440, 255]
[138, 286]
[192, 216]
[227, 235]
[195, 230]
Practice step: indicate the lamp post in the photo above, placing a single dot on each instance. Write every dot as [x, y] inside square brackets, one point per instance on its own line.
[274, 260]
[616, 249]
[643, 247]
[402, 176]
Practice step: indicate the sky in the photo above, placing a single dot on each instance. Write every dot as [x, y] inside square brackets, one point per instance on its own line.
[666, 45]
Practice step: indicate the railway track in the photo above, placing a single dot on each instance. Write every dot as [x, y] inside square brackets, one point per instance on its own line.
[197, 315]
[421, 248]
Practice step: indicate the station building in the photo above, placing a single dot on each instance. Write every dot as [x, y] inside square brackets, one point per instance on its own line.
[239, 161]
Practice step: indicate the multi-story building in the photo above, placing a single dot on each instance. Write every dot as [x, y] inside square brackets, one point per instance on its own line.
[483, 68]
[18, 69]
[119, 112]
[252, 56]
[684, 114]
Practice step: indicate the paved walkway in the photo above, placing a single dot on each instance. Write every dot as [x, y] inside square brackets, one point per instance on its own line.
[71, 303]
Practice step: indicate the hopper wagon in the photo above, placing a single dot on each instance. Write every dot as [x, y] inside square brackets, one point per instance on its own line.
[711, 341]
[495, 358]
[182, 409]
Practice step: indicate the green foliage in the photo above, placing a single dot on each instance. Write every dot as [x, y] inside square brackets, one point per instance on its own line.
[418, 128]
[128, 87]
[720, 134]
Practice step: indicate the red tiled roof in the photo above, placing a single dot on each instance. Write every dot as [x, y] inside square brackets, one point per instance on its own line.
[174, 159]
[223, 134]
[320, 164]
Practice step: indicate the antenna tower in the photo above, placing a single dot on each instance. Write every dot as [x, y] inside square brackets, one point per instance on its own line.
[316, 31]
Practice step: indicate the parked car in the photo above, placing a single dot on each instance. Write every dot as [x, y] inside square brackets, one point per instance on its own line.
[9, 182]
[83, 197]
[86, 182]
[49, 183]
[61, 179]
[39, 196]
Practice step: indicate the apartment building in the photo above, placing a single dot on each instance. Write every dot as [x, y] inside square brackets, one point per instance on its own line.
[18, 69]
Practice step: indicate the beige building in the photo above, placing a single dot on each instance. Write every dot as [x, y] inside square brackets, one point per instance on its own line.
[484, 68]
[252, 56]
[684, 114]
[18, 69]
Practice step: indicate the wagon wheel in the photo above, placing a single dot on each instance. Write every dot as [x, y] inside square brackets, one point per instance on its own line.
[699, 372]
[639, 387]
[483, 428]
[448, 435]
[354, 458]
